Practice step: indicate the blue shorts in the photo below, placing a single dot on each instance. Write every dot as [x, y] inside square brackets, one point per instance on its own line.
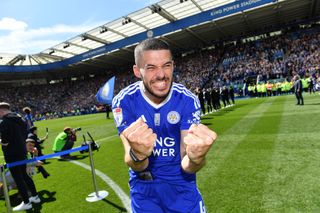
[162, 197]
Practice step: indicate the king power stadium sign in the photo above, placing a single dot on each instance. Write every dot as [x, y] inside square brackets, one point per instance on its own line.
[237, 6]
[205, 16]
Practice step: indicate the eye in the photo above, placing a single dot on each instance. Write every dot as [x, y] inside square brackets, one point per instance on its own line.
[150, 68]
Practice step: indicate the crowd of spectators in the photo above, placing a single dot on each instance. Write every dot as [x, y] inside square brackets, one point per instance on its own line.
[269, 57]
[195, 70]
[273, 57]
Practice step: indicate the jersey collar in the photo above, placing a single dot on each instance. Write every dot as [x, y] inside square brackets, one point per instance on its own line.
[156, 106]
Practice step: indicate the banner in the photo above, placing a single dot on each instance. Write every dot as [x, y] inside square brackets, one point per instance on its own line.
[105, 93]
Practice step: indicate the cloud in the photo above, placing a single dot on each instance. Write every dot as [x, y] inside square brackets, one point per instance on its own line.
[12, 24]
[19, 39]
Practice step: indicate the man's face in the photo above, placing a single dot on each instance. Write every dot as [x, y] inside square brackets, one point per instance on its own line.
[155, 68]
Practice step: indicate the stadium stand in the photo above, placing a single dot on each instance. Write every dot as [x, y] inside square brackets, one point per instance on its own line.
[272, 57]
[209, 60]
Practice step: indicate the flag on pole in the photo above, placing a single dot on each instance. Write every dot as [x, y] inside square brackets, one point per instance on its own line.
[105, 93]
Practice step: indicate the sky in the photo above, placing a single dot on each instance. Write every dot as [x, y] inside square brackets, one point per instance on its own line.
[31, 26]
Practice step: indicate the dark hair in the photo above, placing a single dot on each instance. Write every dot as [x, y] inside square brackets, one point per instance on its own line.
[67, 129]
[4, 105]
[149, 44]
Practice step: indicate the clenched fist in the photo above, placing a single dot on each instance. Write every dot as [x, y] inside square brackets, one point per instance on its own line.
[141, 138]
[198, 142]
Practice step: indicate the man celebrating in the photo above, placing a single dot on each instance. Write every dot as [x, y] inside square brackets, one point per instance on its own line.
[164, 142]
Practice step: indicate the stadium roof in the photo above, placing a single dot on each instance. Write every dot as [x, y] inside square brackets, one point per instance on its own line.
[160, 14]
[145, 19]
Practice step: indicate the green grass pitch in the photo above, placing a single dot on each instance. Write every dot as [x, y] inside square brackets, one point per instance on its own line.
[266, 159]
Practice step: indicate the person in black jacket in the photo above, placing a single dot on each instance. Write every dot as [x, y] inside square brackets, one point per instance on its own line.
[208, 99]
[201, 99]
[13, 134]
[231, 94]
[108, 110]
[225, 96]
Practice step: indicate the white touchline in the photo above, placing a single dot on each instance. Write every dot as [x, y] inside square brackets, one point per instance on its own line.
[106, 138]
[121, 194]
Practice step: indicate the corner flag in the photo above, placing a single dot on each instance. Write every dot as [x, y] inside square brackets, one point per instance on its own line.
[105, 93]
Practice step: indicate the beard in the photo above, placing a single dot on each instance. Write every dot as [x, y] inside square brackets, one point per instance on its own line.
[149, 90]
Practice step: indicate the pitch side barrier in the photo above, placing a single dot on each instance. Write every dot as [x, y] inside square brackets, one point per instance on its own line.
[18, 163]
[92, 197]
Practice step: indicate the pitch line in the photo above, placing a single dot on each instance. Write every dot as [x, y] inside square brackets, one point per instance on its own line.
[106, 138]
[116, 188]
[121, 194]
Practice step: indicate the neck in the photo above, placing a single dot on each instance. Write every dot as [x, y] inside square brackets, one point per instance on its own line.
[155, 99]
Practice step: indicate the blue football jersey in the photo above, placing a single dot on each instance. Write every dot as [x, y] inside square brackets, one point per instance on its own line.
[177, 112]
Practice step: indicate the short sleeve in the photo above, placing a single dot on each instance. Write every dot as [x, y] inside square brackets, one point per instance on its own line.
[122, 114]
[191, 113]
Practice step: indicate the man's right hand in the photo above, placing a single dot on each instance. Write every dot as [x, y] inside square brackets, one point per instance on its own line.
[141, 138]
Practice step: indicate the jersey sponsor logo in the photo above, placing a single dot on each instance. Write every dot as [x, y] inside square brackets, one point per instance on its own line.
[118, 117]
[173, 117]
[164, 147]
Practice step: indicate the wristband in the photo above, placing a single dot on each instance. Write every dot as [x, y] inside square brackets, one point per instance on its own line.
[135, 158]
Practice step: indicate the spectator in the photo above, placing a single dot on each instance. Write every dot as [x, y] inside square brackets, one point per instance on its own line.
[28, 117]
[34, 135]
[13, 131]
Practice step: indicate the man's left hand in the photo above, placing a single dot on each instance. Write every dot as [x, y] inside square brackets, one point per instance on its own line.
[198, 142]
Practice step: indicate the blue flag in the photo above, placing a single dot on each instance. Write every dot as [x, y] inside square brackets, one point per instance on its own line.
[105, 93]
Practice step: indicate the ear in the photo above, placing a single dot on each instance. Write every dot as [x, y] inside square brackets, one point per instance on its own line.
[136, 71]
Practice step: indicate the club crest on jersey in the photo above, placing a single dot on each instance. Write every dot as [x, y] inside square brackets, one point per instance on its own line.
[173, 117]
[117, 114]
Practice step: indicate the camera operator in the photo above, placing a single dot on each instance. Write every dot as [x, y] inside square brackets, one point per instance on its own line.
[65, 141]
[13, 133]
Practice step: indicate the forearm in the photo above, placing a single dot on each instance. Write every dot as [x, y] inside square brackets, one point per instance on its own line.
[191, 166]
[135, 166]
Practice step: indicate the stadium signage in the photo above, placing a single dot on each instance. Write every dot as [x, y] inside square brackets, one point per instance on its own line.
[205, 16]
[94, 52]
[237, 6]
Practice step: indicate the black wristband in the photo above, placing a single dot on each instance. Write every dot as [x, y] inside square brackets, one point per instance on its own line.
[135, 158]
